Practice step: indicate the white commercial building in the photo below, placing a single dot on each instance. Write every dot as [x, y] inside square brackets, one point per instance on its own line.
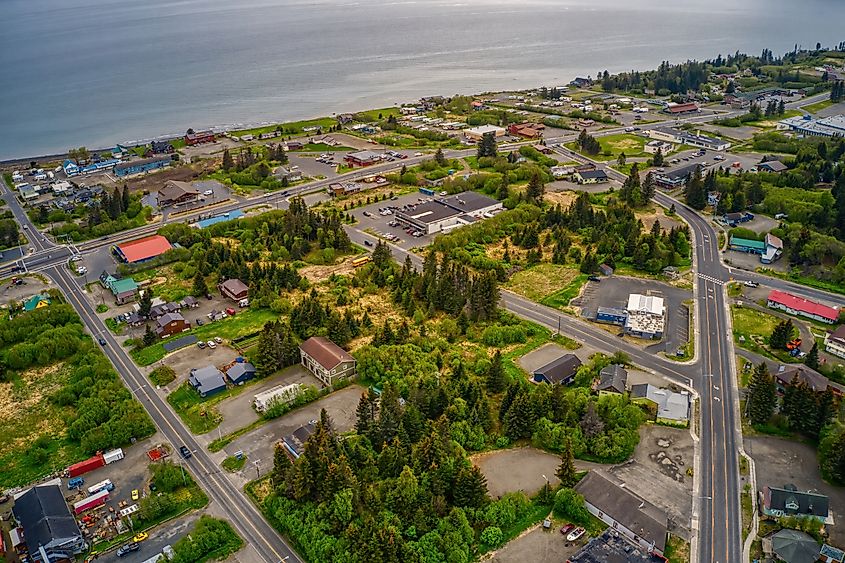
[476, 133]
[445, 214]
[652, 147]
[833, 126]
[684, 138]
[646, 316]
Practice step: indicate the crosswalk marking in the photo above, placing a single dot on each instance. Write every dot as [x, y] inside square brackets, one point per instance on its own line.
[711, 279]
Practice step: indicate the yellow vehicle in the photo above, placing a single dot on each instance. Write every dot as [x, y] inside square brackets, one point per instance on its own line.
[360, 261]
[135, 494]
[141, 536]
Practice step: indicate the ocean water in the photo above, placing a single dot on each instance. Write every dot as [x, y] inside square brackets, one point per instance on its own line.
[97, 72]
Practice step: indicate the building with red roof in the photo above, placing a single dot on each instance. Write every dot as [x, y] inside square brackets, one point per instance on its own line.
[802, 307]
[689, 107]
[142, 249]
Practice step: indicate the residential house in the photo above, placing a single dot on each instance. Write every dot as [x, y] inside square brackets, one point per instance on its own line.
[580, 82]
[345, 118]
[190, 302]
[802, 307]
[293, 146]
[806, 375]
[169, 324]
[734, 219]
[526, 130]
[294, 444]
[175, 192]
[337, 189]
[774, 249]
[240, 372]
[124, 290]
[286, 174]
[326, 360]
[675, 178]
[141, 166]
[777, 502]
[613, 380]
[49, 529]
[359, 159]
[774, 166]
[199, 137]
[633, 517]
[671, 408]
[591, 177]
[36, 302]
[234, 289]
[834, 342]
[560, 371]
[207, 381]
[794, 546]
[562, 171]
[162, 147]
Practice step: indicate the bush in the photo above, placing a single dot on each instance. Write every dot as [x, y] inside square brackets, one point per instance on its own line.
[569, 504]
[498, 335]
[492, 536]
[210, 539]
[162, 375]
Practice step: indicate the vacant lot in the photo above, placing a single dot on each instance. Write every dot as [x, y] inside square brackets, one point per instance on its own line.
[752, 328]
[538, 546]
[520, 469]
[182, 361]
[779, 461]
[542, 280]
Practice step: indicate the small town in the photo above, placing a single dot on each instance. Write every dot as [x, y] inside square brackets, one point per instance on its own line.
[598, 321]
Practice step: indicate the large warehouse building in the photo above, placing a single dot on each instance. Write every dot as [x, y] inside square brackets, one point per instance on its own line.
[447, 213]
[142, 249]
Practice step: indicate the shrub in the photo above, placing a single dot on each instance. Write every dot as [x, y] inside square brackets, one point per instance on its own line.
[570, 504]
[492, 536]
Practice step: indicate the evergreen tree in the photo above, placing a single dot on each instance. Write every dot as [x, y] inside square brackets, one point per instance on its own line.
[648, 188]
[124, 197]
[520, 417]
[535, 188]
[781, 335]
[566, 471]
[145, 303]
[696, 193]
[812, 359]
[657, 159]
[621, 159]
[440, 158]
[200, 288]
[496, 378]
[149, 336]
[487, 145]
[762, 395]
[281, 465]
[470, 490]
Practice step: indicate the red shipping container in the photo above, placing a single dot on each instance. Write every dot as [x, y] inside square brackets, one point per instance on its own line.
[85, 466]
[88, 503]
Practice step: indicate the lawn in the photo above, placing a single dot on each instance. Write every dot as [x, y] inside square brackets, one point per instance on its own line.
[322, 147]
[541, 281]
[243, 323]
[677, 549]
[28, 417]
[290, 128]
[560, 299]
[613, 145]
[233, 464]
[754, 326]
[818, 106]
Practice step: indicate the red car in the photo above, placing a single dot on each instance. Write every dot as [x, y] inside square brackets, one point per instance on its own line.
[566, 529]
[230, 311]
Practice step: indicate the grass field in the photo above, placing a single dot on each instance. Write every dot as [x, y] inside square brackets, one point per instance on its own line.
[677, 549]
[754, 326]
[613, 145]
[818, 106]
[542, 280]
[322, 147]
[290, 128]
[560, 299]
[29, 418]
[243, 323]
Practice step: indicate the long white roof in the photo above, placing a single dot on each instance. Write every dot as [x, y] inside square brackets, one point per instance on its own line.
[646, 304]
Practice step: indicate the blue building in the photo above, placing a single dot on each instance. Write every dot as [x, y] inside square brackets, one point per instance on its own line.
[73, 169]
[140, 166]
[611, 315]
[231, 215]
[558, 372]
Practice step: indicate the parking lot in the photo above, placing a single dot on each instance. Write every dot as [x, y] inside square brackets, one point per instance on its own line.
[538, 546]
[258, 445]
[378, 219]
[613, 291]
[32, 285]
[521, 469]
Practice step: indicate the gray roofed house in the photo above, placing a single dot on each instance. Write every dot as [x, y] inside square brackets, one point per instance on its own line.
[613, 379]
[295, 443]
[240, 372]
[793, 546]
[672, 408]
[634, 517]
[207, 380]
[789, 501]
[559, 371]
[47, 523]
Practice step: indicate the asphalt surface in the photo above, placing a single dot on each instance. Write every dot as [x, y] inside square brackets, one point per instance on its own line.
[717, 516]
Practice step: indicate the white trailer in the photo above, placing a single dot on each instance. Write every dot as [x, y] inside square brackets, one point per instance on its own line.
[280, 394]
[113, 455]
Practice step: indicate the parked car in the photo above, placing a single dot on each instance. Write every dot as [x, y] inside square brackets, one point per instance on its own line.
[208, 192]
[231, 312]
[594, 278]
[367, 243]
[200, 344]
[128, 548]
[211, 344]
[185, 452]
[565, 529]
[136, 494]
[200, 322]
[575, 534]
[218, 340]
[367, 214]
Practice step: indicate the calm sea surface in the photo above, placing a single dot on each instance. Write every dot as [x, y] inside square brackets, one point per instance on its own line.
[95, 72]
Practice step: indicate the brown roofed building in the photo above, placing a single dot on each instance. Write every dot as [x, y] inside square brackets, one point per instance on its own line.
[326, 360]
[171, 323]
[234, 289]
[198, 137]
[175, 192]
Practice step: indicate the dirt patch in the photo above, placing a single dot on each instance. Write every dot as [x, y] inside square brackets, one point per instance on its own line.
[564, 198]
[542, 280]
[17, 398]
[152, 182]
[318, 274]
[666, 222]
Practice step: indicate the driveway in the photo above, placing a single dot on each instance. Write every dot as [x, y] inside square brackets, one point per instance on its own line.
[32, 285]
[238, 412]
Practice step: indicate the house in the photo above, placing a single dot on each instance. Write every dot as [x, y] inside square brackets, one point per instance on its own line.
[638, 520]
[613, 379]
[207, 381]
[611, 315]
[777, 502]
[61, 187]
[746, 245]
[562, 171]
[124, 290]
[345, 118]
[162, 147]
[326, 360]
[678, 109]
[476, 133]
[613, 547]
[774, 249]
[142, 249]
[190, 302]
[284, 173]
[675, 178]
[234, 289]
[36, 302]
[293, 146]
[49, 529]
[815, 381]
[834, 342]
[671, 272]
[360, 159]
[119, 151]
[447, 213]
[526, 130]
[240, 372]
[802, 307]
[672, 408]
[793, 546]
[175, 192]
[581, 82]
[774, 166]
[734, 219]
[338, 189]
[561, 371]
[141, 166]
[713, 198]
[169, 324]
[591, 177]
[198, 137]
[294, 444]
[646, 316]
[543, 149]
[70, 167]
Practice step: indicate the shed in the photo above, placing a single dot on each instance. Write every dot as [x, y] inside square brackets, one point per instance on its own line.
[241, 372]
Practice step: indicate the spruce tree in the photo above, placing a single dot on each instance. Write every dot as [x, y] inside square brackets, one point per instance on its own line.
[124, 196]
[470, 490]
[200, 288]
[566, 471]
[440, 158]
[535, 188]
[145, 303]
[812, 359]
[149, 336]
[657, 159]
[520, 418]
[762, 395]
[228, 162]
[496, 379]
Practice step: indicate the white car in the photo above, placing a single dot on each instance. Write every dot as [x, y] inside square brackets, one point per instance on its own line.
[211, 344]
[208, 192]
[418, 154]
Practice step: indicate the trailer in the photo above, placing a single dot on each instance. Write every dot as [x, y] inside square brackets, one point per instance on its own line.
[106, 485]
[95, 500]
[281, 394]
[113, 455]
[90, 464]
